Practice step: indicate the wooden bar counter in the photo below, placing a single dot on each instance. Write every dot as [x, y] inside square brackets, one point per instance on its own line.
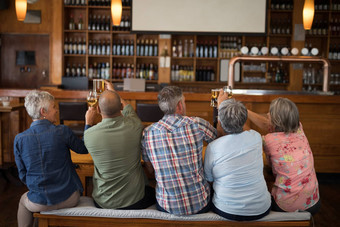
[319, 114]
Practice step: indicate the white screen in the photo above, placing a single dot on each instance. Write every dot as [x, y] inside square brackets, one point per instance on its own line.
[207, 16]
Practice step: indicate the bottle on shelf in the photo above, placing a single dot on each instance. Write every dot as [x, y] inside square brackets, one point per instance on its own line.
[80, 22]
[71, 25]
[66, 46]
[191, 48]
[185, 48]
[155, 48]
[174, 49]
[180, 49]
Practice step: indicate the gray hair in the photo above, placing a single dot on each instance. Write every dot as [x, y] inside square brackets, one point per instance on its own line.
[35, 100]
[284, 115]
[232, 115]
[168, 99]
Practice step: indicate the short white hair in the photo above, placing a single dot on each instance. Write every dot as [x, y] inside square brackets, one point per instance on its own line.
[35, 100]
[232, 115]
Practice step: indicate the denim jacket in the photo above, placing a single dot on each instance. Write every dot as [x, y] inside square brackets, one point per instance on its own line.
[42, 155]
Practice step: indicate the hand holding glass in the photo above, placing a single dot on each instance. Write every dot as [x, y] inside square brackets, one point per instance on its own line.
[92, 98]
[229, 90]
[98, 86]
[214, 95]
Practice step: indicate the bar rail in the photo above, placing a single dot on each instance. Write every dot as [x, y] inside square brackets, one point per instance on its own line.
[309, 59]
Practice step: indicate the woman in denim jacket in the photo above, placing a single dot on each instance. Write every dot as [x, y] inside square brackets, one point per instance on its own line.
[42, 156]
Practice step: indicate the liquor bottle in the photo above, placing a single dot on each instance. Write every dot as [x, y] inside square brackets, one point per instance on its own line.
[102, 23]
[122, 48]
[98, 24]
[198, 46]
[191, 48]
[141, 48]
[73, 70]
[83, 46]
[138, 48]
[94, 47]
[107, 24]
[131, 47]
[146, 48]
[68, 70]
[66, 46]
[74, 48]
[80, 46]
[99, 49]
[71, 23]
[185, 49]
[94, 22]
[210, 55]
[83, 70]
[151, 73]
[155, 48]
[128, 71]
[90, 72]
[80, 22]
[180, 49]
[132, 71]
[114, 47]
[118, 48]
[206, 49]
[90, 47]
[103, 48]
[151, 48]
[215, 49]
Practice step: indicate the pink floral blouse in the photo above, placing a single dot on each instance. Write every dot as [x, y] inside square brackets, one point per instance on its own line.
[296, 186]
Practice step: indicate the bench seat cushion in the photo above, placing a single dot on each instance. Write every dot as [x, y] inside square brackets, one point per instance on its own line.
[87, 208]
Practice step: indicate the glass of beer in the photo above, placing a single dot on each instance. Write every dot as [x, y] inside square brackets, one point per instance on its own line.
[214, 95]
[227, 89]
[98, 86]
[92, 98]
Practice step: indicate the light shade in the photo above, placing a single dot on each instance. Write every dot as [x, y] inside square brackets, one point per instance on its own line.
[21, 8]
[116, 11]
[308, 14]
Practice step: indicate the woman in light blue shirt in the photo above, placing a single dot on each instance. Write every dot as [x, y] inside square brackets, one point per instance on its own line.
[235, 166]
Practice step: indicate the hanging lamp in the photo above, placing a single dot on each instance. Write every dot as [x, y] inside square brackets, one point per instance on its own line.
[116, 11]
[21, 8]
[308, 14]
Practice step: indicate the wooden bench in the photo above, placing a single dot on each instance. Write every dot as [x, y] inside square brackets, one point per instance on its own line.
[86, 214]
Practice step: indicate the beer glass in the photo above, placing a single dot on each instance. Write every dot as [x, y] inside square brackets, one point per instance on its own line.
[92, 98]
[214, 95]
[98, 86]
[227, 89]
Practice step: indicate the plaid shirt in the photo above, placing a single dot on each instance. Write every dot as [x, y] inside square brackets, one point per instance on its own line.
[174, 147]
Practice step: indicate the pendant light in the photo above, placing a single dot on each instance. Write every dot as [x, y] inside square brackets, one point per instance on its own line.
[308, 14]
[116, 11]
[21, 8]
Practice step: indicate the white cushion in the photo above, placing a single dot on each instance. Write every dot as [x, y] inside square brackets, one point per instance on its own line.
[87, 208]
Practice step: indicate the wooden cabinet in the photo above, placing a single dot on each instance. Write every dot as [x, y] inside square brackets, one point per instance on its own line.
[94, 48]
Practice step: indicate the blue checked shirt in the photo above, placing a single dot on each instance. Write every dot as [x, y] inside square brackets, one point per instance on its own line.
[174, 147]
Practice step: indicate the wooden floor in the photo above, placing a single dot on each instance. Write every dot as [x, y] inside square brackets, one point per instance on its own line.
[328, 216]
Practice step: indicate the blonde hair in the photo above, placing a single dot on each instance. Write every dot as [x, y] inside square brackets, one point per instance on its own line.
[284, 115]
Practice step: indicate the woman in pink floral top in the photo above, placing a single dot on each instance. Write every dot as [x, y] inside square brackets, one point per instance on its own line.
[288, 152]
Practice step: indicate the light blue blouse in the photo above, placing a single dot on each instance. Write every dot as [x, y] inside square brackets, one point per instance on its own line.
[234, 164]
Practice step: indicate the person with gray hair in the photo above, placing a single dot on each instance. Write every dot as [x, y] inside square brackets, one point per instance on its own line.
[42, 156]
[172, 149]
[288, 152]
[233, 163]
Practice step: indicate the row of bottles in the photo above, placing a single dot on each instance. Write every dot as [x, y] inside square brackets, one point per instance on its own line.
[125, 24]
[311, 75]
[321, 5]
[99, 2]
[121, 71]
[75, 2]
[205, 73]
[76, 46]
[334, 52]
[335, 26]
[147, 71]
[282, 4]
[123, 47]
[100, 70]
[182, 73]
[98, 47]
[206, 49]
[72, 25]
[281, 27]
[146, 47]
[99, 22]
[185, 49]
[319, 27]
[335, 79]
[277, 73]
[75, 71]
[335, 5]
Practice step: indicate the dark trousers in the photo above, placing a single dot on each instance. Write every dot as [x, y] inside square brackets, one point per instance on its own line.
[148, 200]
[238, 217]
[313, 210]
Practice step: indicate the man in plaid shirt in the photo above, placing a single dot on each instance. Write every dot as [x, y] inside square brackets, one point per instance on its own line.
[172, 148]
